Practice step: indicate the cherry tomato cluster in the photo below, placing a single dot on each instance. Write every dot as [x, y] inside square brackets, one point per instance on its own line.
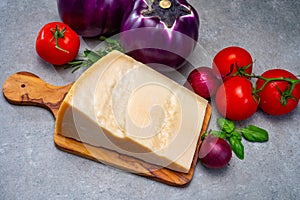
[276, 91]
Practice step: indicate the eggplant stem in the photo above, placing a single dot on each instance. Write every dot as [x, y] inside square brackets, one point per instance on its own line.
[165, 4]
[167, 11]
[150, 2]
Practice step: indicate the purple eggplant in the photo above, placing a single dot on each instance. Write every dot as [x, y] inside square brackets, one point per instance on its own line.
[91, 18]
[160, 33]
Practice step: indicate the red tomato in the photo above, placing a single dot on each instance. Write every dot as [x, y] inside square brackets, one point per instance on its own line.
[225, 62]
[234, 99]
[271, 94]
[57, 43]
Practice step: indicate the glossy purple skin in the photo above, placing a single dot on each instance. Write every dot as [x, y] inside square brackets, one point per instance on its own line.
[91, 18]
[148, 40]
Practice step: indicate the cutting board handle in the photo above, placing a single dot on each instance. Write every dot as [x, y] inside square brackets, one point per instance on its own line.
[25, 88]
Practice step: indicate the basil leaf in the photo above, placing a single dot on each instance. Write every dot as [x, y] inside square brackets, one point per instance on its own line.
[222, 135]
[226, 125]
[237, 135]
[204, 136]
[228, 135]
[255, 134]
[237, 147]
[219, 134]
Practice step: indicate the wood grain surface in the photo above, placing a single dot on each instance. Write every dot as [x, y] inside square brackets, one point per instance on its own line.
[25, 88]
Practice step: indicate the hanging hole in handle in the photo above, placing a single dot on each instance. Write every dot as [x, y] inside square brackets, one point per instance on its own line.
[23, 85]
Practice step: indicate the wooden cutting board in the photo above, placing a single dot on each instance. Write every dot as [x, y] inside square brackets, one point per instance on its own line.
[25, 88]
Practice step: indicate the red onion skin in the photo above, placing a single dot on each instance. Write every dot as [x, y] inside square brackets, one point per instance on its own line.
[215, 153]
[204, 82]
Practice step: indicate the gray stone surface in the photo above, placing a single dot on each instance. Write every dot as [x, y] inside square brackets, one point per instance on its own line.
[31, 167]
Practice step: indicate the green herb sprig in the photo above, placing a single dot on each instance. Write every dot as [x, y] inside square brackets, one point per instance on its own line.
[89, 57]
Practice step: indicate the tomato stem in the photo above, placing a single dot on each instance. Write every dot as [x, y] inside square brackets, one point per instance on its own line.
[286, 94]
[241, 70]
[57, 34]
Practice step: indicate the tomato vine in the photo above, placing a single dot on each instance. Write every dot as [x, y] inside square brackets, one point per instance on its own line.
[285, 95]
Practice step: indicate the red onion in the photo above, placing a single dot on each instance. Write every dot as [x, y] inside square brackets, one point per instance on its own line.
[204, 82]
[215, 152]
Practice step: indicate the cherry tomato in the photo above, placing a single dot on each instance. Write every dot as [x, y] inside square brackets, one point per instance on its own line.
[57, 43]
[272, 96]
[225, 62]
[234, 99]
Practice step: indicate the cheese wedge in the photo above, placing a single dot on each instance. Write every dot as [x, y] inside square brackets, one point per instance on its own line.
[125, 106]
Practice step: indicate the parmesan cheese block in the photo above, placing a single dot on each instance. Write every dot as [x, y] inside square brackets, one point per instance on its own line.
[127, 107]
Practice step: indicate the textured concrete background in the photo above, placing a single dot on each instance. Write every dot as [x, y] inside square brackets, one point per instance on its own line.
[32, 168]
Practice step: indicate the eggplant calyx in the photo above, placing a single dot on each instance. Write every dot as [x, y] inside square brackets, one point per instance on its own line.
[166, 11]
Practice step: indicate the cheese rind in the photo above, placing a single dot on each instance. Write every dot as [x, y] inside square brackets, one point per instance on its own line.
[123, 105]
